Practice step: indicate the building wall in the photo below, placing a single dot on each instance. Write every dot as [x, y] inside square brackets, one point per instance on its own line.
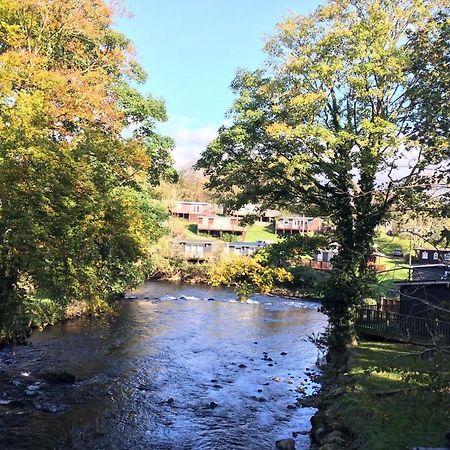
[433, 294]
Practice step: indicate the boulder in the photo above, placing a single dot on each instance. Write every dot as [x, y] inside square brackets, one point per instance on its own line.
[285, 444]
[58, 377]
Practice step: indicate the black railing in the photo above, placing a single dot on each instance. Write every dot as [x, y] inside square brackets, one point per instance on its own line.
[402, 327]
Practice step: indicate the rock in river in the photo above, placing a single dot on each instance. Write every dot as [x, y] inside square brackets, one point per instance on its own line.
[58, 377]
[285, 444]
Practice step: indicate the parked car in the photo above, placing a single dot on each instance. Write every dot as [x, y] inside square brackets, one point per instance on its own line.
[398, 252]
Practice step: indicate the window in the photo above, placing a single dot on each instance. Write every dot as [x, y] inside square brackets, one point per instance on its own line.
[435, 256]
[447, 256]
[424, 255]
[196, 208]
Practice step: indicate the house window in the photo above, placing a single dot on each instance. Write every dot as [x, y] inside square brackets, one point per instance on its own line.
[447, 256]
[196, 208]
[424, 255]
[435, 256]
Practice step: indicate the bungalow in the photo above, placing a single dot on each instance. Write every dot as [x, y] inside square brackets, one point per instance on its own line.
[298, 224]
[218, 225]
[431, 255]
[199, 250]
[322, 259]
[244, 248]
[428, 287]
[268, 215]
[192, 210]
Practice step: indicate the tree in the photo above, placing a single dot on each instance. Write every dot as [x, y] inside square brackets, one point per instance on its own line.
[76, 216]
[430, 98]
[326, 126]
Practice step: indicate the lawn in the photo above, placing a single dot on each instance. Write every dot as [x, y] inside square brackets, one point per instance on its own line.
[261, 232]
[387, 244]
[395, 409]
[187, 230]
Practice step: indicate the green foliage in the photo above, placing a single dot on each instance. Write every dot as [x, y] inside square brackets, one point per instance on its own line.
[308, 280]
[247, 275]
[292, 250]
[43, 311]
[324, 126]
[76, 216]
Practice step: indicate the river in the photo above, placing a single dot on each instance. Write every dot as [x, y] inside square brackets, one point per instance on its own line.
[179, 367]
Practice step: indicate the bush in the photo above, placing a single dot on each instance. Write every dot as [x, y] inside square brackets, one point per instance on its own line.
[247, 275]
[310, 281]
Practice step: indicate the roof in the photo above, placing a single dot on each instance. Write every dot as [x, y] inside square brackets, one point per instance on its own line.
[194, 241]
[433, 249]
[418, 266]
[246, 244]
[422, 282]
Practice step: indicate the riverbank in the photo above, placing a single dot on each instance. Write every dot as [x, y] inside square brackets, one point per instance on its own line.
[40, 312]
[371, 401]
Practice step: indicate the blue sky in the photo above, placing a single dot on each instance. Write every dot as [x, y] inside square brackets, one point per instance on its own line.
[191, 50]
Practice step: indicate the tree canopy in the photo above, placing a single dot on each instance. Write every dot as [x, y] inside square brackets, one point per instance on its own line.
[328, 126]
[76, 214]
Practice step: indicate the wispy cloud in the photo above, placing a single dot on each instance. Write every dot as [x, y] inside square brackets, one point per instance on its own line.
[190, 140]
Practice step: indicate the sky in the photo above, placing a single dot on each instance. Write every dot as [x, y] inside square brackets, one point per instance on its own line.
[191, 50]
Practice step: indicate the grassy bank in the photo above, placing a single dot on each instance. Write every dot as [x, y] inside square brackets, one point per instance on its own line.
[39, 312]
[389, 400]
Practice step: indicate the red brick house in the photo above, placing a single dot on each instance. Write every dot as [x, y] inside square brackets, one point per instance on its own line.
[192, 210]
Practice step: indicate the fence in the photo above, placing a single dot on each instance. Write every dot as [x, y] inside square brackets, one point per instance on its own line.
[401, 327]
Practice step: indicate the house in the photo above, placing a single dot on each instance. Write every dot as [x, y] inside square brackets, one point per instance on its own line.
[322, 259]
[199, 250]
[218, 225]
[192, 210]
[260, 216]
[429, 272]
[298, 224]
[426, 292]
[244, 248]
[431, 255]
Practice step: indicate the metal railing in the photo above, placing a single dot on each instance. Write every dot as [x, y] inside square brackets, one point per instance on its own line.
[402, 327]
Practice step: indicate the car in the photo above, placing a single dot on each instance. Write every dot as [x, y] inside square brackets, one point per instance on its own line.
[398, 252]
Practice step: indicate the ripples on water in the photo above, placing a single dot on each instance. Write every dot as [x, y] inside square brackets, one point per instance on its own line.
[180, 367]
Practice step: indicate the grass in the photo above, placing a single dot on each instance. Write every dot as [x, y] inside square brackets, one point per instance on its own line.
[261, 232]
[417, 417]
[187, 230]
[387, 244]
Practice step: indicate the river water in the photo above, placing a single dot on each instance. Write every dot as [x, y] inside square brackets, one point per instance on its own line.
[179, 367]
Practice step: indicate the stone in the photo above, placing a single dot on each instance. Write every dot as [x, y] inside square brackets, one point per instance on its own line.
[291, 407]
[170, 401]
[58, 377]
[298, 433]
[283, 353]
[285, 444]
[242, 366]
[213, 405]
[319, 434]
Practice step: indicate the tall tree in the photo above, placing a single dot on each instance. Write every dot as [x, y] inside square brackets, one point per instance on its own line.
[76, 216]
[430, 98]
[325, 126]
